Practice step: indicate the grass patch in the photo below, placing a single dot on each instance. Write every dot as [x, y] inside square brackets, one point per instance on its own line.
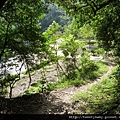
[103, 67]
[100, 98]
[65, 83]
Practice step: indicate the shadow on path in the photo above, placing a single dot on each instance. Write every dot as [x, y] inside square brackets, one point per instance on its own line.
[32, 104]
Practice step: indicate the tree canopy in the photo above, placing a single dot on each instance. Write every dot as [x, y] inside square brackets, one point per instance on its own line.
[87, 10]
[20, 37]
[20, 23]
[20, 31]
[103, 15]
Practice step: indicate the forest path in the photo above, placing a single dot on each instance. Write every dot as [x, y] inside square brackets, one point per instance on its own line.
[56, 102]
[61, 98]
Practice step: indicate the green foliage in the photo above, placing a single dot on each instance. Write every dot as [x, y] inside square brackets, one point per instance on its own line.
[22, 37]
[102, 16]
[86, 32]
[37, 67]
[20, 25]
[99, 52]
[86, 66]
[39, 87]
[107, 32]
[87, 70]
[34, 88]
[51, 35]
[64, 82]
[51, 29]
[3, 92]
[102, 69]
[8, 82]
[27, 92]
[21, 34]
[77, 67]
[55, 14]
[51, 87]
[34, 84]
[71, 29]
[70, 48]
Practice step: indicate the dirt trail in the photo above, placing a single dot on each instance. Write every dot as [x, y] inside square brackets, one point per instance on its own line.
[64, 95]
[56, 102]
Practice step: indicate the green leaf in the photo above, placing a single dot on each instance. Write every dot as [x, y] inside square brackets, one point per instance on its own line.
[35, 85]
[27, 92]
[17, 79]
[42, 82]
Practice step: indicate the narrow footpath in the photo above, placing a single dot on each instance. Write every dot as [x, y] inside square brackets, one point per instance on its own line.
[56, 102]
[61, 99]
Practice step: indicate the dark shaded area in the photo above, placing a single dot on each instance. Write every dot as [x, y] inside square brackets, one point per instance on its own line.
[2, 2]
[32, 104]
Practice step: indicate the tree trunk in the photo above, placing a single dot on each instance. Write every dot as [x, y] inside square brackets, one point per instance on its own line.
[29, 76]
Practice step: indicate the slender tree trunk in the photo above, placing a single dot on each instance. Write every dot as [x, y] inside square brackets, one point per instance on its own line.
[28, 70]
[62, 69]
[11, 87]
[29, 75]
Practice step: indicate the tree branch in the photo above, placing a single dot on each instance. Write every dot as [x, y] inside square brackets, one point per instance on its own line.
[5, 43]
[93, 6]
[103, 5]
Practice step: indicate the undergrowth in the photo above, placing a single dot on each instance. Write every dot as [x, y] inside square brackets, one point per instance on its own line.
[38, 87]
[78, 82]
